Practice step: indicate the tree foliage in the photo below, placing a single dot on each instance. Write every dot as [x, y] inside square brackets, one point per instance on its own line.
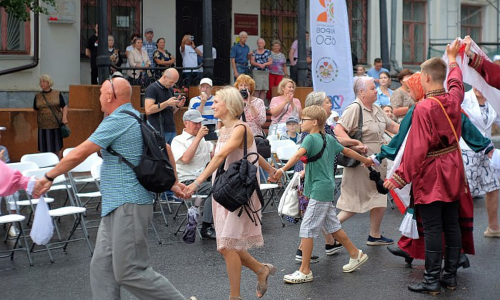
[20, 9]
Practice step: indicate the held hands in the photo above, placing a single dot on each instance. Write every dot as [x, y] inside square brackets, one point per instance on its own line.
[41, 187]
[361, 149]
[389, 185]
[190, 190]
[276, 176]
[368, 162]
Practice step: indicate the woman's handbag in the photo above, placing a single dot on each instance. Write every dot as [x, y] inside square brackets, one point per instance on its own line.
[289, 202]
[65, 131]
[347, 161]
[234, 187]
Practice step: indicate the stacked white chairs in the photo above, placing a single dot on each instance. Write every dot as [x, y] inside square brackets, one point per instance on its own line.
[85, 168]
[72, 210]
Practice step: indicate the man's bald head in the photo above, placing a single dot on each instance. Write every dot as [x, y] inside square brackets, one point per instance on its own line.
[170, 77]
[123, 90]
[114, 94]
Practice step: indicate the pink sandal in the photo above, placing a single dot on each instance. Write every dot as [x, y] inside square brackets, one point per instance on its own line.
[262, 288]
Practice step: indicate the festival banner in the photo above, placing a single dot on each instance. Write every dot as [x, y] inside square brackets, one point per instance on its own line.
[331, 52]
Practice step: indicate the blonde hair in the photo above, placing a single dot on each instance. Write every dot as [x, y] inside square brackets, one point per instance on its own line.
[245, 79]
[283, 83]
[436, 68]
[317, 113]
[232, 97]
[46, 77]
[315, 98]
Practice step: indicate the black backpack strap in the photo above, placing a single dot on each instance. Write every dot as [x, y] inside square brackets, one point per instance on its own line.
[111, 151]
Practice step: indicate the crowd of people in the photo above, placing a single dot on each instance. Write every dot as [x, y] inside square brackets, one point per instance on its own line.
[423, 123]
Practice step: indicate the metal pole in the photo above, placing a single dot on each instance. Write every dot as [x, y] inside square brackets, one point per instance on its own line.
[384, 49]
[208, 60]
[103, 62]
[301, 62]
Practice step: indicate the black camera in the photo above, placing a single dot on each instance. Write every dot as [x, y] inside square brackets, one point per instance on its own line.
[244, 93]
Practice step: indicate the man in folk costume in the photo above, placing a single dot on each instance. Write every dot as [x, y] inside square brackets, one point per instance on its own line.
[434, 166]
[414, 248]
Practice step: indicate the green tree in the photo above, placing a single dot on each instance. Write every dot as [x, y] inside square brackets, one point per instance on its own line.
[21, 8]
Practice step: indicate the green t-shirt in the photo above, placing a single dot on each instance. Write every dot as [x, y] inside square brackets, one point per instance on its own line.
[319, 182]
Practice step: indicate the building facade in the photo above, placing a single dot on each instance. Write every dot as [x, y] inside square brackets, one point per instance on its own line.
[422, 28]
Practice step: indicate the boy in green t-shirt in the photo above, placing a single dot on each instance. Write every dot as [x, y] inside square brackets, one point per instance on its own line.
[319, 188]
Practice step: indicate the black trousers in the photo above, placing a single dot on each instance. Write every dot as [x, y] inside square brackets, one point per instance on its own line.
[94, 73]
[438, 218]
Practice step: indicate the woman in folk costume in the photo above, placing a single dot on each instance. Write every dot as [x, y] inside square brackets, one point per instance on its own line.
[481, 176]
[407, 247]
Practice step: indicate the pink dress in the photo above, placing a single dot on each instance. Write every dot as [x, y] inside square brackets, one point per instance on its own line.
[233, 232]
[11, 180]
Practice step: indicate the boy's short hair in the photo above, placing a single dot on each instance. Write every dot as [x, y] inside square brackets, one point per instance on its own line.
[436, 68]
[317, 113]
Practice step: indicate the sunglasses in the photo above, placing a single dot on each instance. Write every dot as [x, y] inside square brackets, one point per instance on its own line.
[115, 75]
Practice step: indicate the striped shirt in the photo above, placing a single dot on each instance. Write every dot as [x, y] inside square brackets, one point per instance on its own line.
[207, 113]
[119, 184]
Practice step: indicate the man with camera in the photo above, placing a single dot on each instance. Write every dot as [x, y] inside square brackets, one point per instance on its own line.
[190, 54]
[161, 105]
[192, 153]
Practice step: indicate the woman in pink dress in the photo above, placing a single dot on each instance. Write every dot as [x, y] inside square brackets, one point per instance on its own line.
[235, 234]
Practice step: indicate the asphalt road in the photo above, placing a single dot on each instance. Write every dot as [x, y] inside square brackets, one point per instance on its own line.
[197, 269]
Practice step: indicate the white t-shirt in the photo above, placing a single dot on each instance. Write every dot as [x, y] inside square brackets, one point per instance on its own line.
[189, 58]
[190, 171]
[214, 53]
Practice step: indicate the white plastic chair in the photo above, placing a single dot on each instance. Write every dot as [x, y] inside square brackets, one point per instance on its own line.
[273, 138]
[42, 160]
[72, 210]
[84, 167]
[19, 219]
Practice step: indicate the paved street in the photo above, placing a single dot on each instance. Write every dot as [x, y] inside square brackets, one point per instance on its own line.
[199, 270]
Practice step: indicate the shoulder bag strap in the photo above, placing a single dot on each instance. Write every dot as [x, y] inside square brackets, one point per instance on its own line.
[245, 143]
[455, 133]
[57, 120]
[285, 109]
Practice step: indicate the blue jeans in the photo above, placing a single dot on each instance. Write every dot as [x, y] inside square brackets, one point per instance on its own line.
[242, 70]
[169, 136]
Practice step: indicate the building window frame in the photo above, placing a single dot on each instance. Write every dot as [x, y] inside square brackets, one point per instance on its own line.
[465, 27]
[4, 36]
[363, 39]
[410, 39]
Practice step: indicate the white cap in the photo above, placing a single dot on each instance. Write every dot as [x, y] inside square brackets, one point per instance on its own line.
[496, 57]
[3, 128]
[207, 81]
[193, 115]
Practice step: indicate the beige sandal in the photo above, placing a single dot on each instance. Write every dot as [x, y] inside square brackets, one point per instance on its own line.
[262, 289]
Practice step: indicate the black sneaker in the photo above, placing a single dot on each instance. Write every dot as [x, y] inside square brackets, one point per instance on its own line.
[209, 233]
[298, 257]
[332, 249]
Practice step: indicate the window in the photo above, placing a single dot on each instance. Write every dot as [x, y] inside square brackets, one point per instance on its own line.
[357, 11]
[278, 21]
[14, 35]
[124, 19]
[471, 20]
[414, 22]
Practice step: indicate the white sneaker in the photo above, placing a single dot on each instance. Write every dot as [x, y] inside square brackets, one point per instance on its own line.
[13, 231]
[298, 277]
[355, 262]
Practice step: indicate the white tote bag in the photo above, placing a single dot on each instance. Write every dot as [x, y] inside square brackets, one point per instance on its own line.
[42, 229]
[289, 202]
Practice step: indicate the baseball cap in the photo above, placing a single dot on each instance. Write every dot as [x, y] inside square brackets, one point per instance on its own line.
[207, 81]
[193, 115]
[292, 119]
[496, 57]
[149, 29]
[3, 128]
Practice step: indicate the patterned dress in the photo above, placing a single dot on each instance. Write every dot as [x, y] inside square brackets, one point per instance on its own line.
[480, 175]
[233, 232]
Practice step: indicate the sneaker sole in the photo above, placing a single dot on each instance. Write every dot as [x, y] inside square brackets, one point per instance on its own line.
[379, 243]
[363, 259]
[333, 251]
[296, 281]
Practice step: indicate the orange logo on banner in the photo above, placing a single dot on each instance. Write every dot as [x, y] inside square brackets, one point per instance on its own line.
[323, 17]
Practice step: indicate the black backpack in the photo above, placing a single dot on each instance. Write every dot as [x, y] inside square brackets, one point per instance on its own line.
[234, 187]
[154, 171]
